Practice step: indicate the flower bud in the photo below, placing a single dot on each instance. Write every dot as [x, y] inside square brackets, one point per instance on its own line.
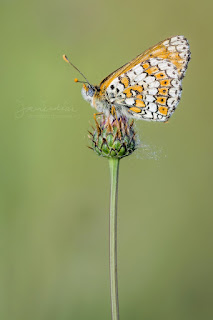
[113, 137]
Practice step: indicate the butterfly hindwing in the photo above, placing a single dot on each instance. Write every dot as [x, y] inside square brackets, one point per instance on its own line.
[149, 90]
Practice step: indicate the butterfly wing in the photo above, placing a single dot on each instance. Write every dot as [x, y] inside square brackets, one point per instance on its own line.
[150, 90]
[149, 86]
[174, 49]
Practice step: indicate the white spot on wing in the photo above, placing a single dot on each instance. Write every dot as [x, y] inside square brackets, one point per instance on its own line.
[137, 69]
[131, 75]
[183, 55]
[154, 84]
[171, 102]
[164, 66]
[148, 115]
[174, 39]
[115, 82]
[176, 43]
[177, 38]
[152, 107]
[175, 83]
[181, 47]
[172, 48]
[141, 76]
[149, 98]
[149, 79]
[166, 43]
[153, 91]
[172, 74]
[173, 92]
[129, 101]
[154, 61]
[120, 87]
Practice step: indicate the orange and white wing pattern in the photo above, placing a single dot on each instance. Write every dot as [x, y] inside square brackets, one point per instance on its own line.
[149, 87]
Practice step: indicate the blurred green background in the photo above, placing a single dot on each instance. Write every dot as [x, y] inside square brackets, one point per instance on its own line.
[55, 191]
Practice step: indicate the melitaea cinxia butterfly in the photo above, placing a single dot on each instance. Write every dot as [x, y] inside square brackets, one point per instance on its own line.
[148, 87]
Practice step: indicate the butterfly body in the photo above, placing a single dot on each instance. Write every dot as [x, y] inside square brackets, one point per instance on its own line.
[148, 87]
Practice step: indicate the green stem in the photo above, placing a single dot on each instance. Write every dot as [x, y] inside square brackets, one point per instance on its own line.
[114, 168]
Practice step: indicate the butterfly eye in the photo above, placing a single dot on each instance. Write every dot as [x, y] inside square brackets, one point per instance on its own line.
[91, 91]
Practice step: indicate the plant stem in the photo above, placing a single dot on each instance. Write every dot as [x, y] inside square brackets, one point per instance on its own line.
[114, 168]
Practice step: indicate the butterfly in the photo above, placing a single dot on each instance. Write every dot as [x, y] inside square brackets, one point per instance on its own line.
[148, 87]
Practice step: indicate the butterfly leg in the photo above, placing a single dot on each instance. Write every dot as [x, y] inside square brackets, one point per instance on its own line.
[97, 114]
[113, 112]
[96, 122]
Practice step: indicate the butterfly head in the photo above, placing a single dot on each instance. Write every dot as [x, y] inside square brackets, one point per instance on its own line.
[88, 91]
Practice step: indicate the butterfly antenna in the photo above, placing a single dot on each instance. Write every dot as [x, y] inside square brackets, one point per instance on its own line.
[76, 80]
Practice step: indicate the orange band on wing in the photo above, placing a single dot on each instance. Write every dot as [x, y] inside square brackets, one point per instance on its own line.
[125, 81]
[165, 83]
[163, 110]
[161, 100]
[135, 109]
[139, 103]
[160, 75]
[137, 88]
[163, 91]
[152, 70]
[128, 92]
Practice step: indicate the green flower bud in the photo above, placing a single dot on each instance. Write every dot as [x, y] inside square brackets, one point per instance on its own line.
[113, 137]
